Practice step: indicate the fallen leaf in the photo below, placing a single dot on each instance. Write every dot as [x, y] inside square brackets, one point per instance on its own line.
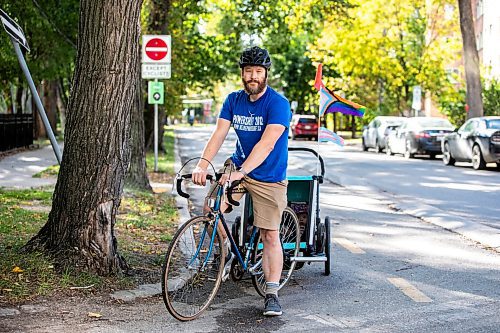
[17, 270]
[94, 315]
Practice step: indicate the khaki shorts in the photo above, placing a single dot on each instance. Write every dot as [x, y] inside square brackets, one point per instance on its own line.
[269, 200]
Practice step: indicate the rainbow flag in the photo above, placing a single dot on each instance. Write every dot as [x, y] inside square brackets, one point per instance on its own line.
[325, 135]
[330, 102]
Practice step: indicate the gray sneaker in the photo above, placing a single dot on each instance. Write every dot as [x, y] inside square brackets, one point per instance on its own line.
[227, 266]
[272, 306]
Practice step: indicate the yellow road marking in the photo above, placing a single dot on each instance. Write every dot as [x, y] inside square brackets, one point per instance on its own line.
[409, 290]
[348, 245]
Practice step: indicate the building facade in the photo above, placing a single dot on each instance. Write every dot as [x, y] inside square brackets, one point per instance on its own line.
[487, 29]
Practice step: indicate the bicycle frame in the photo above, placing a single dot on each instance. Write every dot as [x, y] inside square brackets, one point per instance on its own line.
[219, 217]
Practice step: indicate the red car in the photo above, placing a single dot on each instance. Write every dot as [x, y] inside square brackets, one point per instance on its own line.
[304, 126]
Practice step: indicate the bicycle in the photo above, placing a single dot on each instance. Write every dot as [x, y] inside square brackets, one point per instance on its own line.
[194, 263]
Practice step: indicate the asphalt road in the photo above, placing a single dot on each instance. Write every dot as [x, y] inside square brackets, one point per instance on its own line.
[391, 272]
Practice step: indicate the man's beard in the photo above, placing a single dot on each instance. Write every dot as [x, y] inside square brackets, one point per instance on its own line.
[257, 90]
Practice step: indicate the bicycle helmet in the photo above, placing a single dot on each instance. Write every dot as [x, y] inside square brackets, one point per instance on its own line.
[255, 56]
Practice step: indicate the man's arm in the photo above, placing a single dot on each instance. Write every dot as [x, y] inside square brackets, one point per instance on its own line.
[261, 150]
[212, 147]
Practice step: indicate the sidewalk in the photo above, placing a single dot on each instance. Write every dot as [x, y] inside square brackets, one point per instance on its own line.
[16, 171]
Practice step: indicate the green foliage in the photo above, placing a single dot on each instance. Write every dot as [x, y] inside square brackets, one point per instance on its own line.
[452, 104]
[51, 28]
[382, 48]
[491, 98]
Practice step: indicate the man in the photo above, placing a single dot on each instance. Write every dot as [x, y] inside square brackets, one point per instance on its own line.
[260, 117]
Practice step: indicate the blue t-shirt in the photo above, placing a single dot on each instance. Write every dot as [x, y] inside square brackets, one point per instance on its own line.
[249, 120]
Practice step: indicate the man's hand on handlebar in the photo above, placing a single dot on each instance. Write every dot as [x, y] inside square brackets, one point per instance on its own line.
[233, 176]
[199, 176]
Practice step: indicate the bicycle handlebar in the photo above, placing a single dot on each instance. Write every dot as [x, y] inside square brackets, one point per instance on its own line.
[230, 191]
[184, 177]
[209, 177]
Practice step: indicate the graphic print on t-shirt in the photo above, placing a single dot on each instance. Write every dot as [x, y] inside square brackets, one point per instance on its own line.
[249, 124]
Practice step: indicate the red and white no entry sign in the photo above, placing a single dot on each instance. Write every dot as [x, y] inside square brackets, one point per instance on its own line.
[156, 49]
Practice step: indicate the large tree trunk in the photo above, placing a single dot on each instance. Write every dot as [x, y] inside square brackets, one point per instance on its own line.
[471, 59]
[80, 229]
[137, 175]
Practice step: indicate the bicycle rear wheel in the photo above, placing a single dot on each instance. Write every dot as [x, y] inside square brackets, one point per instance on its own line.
[191, 275]
[290, 241]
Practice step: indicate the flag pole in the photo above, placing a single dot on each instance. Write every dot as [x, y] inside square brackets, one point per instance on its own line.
[317, 138]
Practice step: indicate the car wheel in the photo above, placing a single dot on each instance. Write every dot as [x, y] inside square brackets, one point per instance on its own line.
[388, 150]
[408, 153]
[365, 148]
[478, 162]
[447, 158]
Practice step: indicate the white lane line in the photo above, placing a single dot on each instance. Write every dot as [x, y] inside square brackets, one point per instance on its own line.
[409, 290]
[348, 245]
[323, 320]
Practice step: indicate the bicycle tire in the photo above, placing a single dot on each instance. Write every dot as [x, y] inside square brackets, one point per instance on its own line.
[289, 233]
[328, 245]
[188, 288]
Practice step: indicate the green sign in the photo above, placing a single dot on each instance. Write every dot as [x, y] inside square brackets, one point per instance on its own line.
[155, 92]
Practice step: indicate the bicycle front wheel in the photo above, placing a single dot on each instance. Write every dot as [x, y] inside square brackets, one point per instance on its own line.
[192, 273]
[290, 241]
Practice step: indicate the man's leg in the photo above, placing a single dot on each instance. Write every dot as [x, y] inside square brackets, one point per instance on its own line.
[272, 264]
[269, 201]
[272, 256]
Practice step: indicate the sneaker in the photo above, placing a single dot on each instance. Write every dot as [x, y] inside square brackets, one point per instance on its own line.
[272, 306]
[227, 266]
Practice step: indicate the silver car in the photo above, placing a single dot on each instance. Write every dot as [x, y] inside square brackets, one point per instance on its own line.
[375, 134]
[477, 141]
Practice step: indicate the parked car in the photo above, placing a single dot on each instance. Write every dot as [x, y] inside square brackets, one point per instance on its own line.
[374, 135]
[419, 135]
[476, 141]
[303, 126]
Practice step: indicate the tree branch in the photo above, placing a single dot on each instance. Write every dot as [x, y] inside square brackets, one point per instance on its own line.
[66, 38]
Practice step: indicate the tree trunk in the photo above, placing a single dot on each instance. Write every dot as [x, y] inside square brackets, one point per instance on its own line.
[471, 60]
[353, 127]
[137, 175]
[80, 229]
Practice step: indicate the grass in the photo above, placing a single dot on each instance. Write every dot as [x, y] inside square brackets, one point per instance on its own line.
[51, 171]
[165, 159]
[144, 226]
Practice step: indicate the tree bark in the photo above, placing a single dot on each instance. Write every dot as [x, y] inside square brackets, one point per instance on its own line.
[471, 60]
[137, 175]
[80, 229]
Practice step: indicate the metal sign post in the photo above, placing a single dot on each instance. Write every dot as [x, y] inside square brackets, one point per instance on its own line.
[156, 59]
[417, 99]
[155, 96]
[17, 37]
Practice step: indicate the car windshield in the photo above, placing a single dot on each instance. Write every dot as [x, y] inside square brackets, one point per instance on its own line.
[429, 122]
[307, 120]
[493, 123]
